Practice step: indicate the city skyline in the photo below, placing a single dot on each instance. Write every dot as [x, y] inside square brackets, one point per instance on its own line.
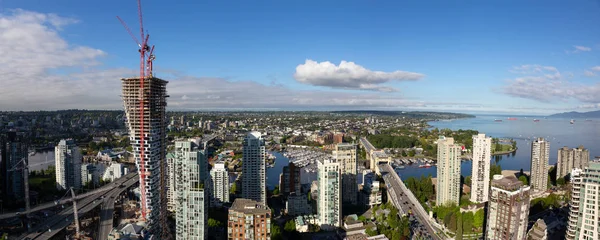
[301, 57]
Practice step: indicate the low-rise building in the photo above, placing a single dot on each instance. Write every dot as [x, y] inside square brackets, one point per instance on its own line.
[297, 204]
[249, 219]
[539, 231]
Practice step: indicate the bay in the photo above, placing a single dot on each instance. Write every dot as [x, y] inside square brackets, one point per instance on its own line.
[558, 131]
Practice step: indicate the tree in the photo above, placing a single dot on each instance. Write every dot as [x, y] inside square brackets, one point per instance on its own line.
[494, 170]
[233, 188]
[452, 224]
[560, 181]
[290, 226]
[276, 191]
[371, 232]
[468, 180]
[404, 153]
[468, 220]
[478, 218]
[362, 218]
[275, 232]
[411, 153]
[214, 223]
[523, 179]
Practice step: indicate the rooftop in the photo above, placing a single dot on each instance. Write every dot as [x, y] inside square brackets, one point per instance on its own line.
[509, 183]
[248, 206]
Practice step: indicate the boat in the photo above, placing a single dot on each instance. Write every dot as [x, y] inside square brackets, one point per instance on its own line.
[588, 120]
[31, 153]
[401, 167]
[498, 120]
[512, 118]
[572, 121]
[536, 120]
[425, 166]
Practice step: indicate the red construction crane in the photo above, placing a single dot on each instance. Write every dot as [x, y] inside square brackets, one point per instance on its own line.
[146, 58]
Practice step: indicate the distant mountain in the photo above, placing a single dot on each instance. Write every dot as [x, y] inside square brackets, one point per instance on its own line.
[592, 114]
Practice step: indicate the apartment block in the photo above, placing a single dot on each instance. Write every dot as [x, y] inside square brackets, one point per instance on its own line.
[569, 159]
[584, 225]
[289, 180]
[540, 153]
[347, 155]
[14, 157]
[220, 182]
[146, 122]
[329, 204]
[297, 204]
[248, 219]
[191, 191]
[448, 171]
[253, 168]
[480, 172]
[67, 160]
[539, 231]
[508, 209]
[574, 213]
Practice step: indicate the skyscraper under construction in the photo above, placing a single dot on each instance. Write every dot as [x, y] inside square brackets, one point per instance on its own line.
[145, 104]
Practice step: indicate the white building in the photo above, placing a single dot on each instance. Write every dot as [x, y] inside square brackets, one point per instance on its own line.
[508, 210]
[191, 190]
[329, 204]
[347, 155]
[114, 171]
[253, 168]
[571, 158]
[540, 153]
[146, 122]
[480, 173]
[576, 179]
[67, 159]
[448, 172]
[220, 182]
[584, 226]
[91, 174]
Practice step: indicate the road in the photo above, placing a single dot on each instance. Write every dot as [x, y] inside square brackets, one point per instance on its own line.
[402, 198]
[106, 215]
[367, 145]
[64, 218]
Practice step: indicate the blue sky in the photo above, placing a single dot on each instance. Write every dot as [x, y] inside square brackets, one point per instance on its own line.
[471, 56]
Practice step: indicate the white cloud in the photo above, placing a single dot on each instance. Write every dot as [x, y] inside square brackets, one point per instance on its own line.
[577, 49]
[588, 73]
[596, 69]
[546, 84]
[349, 75]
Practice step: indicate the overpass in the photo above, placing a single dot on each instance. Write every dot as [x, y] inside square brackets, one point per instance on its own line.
[404, 199]
[64, 218]
[367, 145]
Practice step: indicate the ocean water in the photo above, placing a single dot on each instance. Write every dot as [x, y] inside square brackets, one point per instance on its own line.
[558, 131]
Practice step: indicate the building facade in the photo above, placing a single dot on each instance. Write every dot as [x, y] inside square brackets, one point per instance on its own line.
[540, 153]
[146, 122]
[192, 198]
[584, 226]
[253, 168]
[67, 158]
[297, 204]
[289, 181]
[569, 159]
[14, 159]
[448, 171]
[347, 155]
[508, 209]
[329, 202]
[249, 219]
[480, 172]
[220, 182]
[574, 213]
[539, 231]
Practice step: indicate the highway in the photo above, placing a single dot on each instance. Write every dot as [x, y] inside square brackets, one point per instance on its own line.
[367, 145]
[47, 205]
[403, 198]
[64, 218]
[106, 214]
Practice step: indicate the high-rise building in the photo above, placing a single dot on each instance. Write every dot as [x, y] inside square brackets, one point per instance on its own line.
[576, 179]
[289, 180]
[448, 171]
[480, 172]
[191, 192]
[249, 219]
[508, 209]
[347, 155]
[171, 184]
[584, 226]
[571, 158]
[253, 168]
[540, 152]
[146, 121]
[220, 184]
[539, 231]
[13, 162]
[67, 159]
[329, 204]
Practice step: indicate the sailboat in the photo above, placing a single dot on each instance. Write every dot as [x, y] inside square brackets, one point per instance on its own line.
[572, 121]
